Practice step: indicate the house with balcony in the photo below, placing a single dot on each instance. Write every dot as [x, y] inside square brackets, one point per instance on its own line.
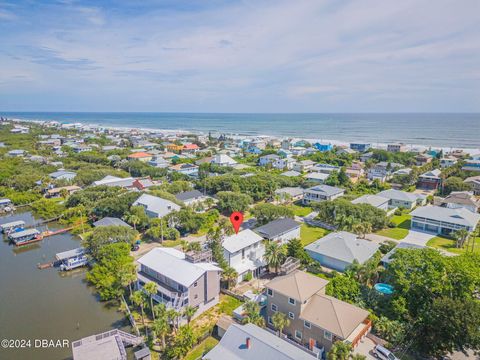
[397, 147]
[461, 199]
[430, 180]
[383, 171]
[323, 147]
[443, 220]
[268, 159]
[303, 166]
[182, 280]
[360, 147]
[223, 160]
[448, 161]
[325, 168]
[321, 193]
[472, 165]
[474, 182]
[244, 252]
[422, 159]
[317, 320]
[140, 156]
[283, 163]
[185, 169]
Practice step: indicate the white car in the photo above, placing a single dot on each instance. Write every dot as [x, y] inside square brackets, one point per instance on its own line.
[382, 353]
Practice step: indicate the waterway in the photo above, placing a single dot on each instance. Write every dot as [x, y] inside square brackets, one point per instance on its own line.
[47, 304]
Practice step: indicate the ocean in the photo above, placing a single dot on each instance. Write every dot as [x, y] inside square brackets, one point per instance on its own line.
[429, 129]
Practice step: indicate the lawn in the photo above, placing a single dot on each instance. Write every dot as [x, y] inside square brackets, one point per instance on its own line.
[300, 210]
[309, 234]
[171, 243]
[401, 231]
[202, 348]
[448, 244]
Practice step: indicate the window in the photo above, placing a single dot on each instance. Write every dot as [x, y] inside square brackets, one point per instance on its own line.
[195, 284]
[195, 297]
[274, 307]
[327, 335]
[291, 315]
[270, 320]
[243, 254]
[269, 292]
[307, 324]
[291, 301]
[298, 334]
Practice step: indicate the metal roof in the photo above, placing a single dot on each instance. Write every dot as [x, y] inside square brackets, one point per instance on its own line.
[241, 240]
[70, 253]
[459, 216]
[110, 221]
[23, 233]
[157, 205]
[374, 200]
[326, 189]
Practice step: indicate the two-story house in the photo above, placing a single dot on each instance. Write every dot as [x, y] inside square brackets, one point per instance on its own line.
[180, 280]
[430, 180]
[382, 171]
[156, 207]
[268, 159]
[316, 320]
[244, 252]
[321, 193]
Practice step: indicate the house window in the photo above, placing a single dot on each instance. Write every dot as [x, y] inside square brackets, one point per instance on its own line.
[195, 297]
[195, 284]
[298, 334]
[243, 254]
[270, 292]
[270, 320]
[291, 301]
[307, 324]
[274, 307]
[327, 335]
[291, 315]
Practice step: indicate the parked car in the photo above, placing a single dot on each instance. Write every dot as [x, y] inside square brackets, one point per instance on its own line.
[135, 247]
[382, 353]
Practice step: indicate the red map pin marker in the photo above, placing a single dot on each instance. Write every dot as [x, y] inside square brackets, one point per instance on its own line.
[236, 219]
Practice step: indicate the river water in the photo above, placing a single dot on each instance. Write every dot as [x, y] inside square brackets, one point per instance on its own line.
[47, 304]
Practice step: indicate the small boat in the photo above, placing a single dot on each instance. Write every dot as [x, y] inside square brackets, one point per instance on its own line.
[72, 259]
[13, 226]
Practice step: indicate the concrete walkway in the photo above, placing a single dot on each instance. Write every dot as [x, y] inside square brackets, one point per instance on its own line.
[417, 237]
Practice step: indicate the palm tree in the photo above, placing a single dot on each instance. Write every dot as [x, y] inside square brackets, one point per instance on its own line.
[161, 328]
[151, 289]
[358, 357]
[230, 275]
[339, 351]
[172, 316]
[159, 310]
[188, 312]
[194, 246]
[280, 321]
[461, 235]
[127, 278]
[184, 245]
[138, 299]
[252, 314]
[274, 255]
[132, 219]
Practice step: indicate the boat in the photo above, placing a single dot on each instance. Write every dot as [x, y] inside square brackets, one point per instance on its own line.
[25, 237]
[72, 259]
[13, 226]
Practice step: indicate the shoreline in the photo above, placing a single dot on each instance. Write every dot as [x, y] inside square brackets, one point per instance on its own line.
[237, 135]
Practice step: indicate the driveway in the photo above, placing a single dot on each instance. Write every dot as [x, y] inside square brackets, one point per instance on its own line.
[365, 347]
[417, 237]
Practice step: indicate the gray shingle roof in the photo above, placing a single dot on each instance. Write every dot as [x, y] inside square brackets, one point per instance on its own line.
[398, 195]
[263, 345]
[343, 246]
[187, 195]
[110, 221]
[326, 189]
[374, 200]
[277, 227]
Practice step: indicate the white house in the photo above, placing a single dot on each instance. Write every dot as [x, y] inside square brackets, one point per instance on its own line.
[443, 220]
[377, 201]
[402, 199]
[303, 166]
[244, 252]
[283, 163]
[267, 159]
[223, 160]
[156, 207]
[317, 177]
[321, 193]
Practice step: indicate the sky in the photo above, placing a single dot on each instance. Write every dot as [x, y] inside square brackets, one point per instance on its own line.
[240, 56]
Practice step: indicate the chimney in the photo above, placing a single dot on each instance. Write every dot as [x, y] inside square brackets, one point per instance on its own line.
[248, 343]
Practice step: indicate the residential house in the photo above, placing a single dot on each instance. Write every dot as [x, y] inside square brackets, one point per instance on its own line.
[303, 166]
[360, 147]
[186, 169]
[56, 192]
[191, 197]
[142, 184]
[471, 165]
[325, 168]
[283, 163]
[298, 151]
[317, 320]
[268, 159]
[355, 171]
[398, 147]
[248, 342]
[422, 159]
[317, 177]
[174, 147]
[223, 160]
[80, 148]
[461, 199]
[280, 230]
[474, 181]
[430, 180]
[366, 157]
[110, 221]
[382, 171]
[4, 203]
[109, 180]
[180, 280]
[140, 156]
[190, 148]
[291, 173]
[156, 207]
[339, 250]
[345, 151]
[448, 161]
[285, 153]
[286, 144]
[323, 147]
[289, 194]
[16, 153]
[321, 193]
[159, 162]
[374, 200]
[244, 252]
[63, 175]
[402, 199]
[443, 220]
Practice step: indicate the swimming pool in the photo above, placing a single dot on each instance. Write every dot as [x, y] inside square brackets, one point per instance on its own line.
[384, 288]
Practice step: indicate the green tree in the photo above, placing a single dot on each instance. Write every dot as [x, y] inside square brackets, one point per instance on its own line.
[295, 249]
[229, 201]
[280, 321]
[454, 183]
[151, 289]
[461, 236]
[138, 299]
[230, 275]
[275, 255]
[344, 287]
[252, 314]
[182, 343]
[339, 351]
[189, 312]
[104, 235]
[264, 213]
[161, 328]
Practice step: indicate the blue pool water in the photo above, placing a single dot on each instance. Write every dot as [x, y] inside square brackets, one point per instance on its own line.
[384, 288]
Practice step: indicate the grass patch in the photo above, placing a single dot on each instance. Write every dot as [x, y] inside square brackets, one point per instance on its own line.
[300, 210]
[171, 243]
[448, 244]
[309, 234]
[399, 232]
[201, 349]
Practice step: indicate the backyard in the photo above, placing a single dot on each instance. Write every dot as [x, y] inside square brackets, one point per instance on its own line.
[448, 244]
[202, 348]
[300, 210]
[309, 234]
[399, 232]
